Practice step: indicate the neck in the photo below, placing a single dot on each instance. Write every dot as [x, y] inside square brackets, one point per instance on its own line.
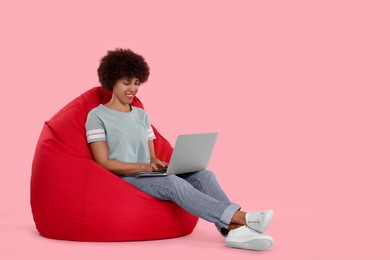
[117, 105]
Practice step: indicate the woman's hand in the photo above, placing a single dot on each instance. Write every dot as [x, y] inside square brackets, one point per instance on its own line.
[157, 165]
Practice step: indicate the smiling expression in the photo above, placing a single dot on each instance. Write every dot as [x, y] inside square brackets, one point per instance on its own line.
[125, 90]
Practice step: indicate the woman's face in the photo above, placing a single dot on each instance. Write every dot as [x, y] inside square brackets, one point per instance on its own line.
[125, 89]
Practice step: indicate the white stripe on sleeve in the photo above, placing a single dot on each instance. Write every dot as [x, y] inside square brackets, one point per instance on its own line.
[95, 131]
[96, 134]
[150, 133]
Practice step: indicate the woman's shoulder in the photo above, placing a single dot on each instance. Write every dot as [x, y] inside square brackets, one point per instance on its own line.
[95, 110]
[140, 114]
[139, 110]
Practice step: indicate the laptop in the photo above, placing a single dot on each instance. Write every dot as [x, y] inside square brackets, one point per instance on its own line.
[192, 153]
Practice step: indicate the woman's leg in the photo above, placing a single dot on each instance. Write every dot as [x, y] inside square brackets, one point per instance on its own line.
[206, 182]
[186, 196]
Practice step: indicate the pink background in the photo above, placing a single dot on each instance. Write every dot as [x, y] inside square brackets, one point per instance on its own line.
[298, 90]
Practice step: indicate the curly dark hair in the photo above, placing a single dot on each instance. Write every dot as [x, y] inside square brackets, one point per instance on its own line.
[121, 63]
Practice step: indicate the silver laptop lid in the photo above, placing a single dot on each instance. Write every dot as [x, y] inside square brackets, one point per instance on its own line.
[192, 153]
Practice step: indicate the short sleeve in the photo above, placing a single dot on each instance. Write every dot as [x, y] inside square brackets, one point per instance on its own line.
[95, 129]
[149, 128]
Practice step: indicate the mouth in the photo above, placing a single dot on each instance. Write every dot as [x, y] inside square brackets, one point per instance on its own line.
[129, 95]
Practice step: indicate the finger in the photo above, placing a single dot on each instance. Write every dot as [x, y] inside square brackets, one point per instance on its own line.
[162, 164]
[154, 167]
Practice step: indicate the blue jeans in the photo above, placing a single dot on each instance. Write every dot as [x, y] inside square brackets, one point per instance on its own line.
[198, 193]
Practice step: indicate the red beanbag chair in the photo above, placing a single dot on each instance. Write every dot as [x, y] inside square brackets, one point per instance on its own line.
[74, 198]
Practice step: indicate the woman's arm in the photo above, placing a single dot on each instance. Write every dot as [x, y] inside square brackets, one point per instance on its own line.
[100, 155]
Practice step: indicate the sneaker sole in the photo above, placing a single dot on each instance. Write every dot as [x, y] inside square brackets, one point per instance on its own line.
[255, 244]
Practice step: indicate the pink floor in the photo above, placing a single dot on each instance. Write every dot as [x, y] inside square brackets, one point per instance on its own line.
[301, 231]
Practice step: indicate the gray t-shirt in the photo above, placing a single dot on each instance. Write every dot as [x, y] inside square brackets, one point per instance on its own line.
[126, 133]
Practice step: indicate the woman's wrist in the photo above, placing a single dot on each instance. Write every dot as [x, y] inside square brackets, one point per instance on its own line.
[145, 167]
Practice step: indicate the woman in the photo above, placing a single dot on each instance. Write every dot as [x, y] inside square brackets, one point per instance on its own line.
[120, 137]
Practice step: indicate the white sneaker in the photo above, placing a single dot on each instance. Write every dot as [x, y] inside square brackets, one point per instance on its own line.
[259, 221]
[246, 238]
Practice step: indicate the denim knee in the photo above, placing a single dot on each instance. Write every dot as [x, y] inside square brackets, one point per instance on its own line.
[207, 174]
[203, 177]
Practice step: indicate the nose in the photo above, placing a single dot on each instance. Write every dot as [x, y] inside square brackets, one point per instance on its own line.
[133, 88]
